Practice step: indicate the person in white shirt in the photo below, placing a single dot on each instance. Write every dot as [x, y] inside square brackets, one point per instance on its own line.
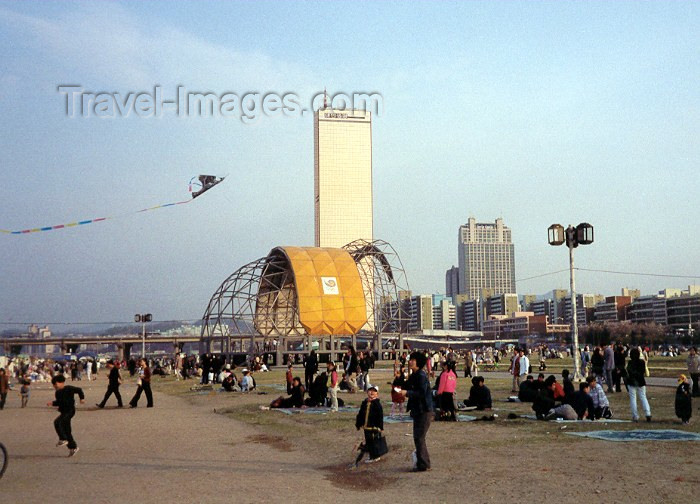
[524, 367]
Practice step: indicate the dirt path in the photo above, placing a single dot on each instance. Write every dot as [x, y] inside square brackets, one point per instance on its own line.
[173, 449]
[182, 450]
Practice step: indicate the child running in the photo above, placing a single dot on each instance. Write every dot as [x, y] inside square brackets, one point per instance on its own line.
[65, 400]
[370, 419]
[24, 390]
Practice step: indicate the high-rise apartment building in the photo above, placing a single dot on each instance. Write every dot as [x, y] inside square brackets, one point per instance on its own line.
[342, 176]
[486, 259]
[428, 312]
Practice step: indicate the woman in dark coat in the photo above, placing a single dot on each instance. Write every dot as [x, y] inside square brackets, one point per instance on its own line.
[684, 402]
[296, 400]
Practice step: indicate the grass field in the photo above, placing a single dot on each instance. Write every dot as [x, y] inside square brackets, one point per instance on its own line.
[476, 458]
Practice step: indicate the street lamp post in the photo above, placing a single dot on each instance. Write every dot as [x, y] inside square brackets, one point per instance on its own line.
[143, 318]
[572, 237]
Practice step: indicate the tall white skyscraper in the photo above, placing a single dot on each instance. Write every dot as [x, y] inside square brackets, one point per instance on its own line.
[486, 260]
[342, 176]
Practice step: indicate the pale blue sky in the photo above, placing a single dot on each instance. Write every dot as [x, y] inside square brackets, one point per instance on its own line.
[537, 112]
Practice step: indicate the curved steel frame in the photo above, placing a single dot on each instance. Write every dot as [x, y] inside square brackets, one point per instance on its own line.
[383, 276]
[258, 301]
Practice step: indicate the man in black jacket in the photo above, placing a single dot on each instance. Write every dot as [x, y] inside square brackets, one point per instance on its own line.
[113, 385]
[528, 390]
[544, 401]
[582, 402]
[479, 394]
[310, 369]
[420, 405]
[65, 400]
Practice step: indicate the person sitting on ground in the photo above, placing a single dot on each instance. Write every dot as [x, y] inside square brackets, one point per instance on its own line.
[319, 391]
[559, 394]
[567, 384]
[370, 419]
[546, 407]
[528, 390]
[582, 403]
[230, 384]
[539, 383]
[296, 400]
[344, 383]
[544, 400]
[247, 383]
[684, 401]
[225, 371]
[600, 400]
[479, 394]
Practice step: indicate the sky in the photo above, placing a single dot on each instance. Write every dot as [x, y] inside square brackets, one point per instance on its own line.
[536, 112]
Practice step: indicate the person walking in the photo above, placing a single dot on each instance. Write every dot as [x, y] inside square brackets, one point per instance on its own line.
[114, 380]
[636, 385]
[468, 362]
[515, 370]
[65, 401]
[694, 370]
[609, 366]
[4, 387]
[26, 384]
[585, 360]
[351, 369]
[144, 385]
[420, 405]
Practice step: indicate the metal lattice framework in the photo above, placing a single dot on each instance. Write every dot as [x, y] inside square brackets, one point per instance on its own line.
[258, 302]
[383, 276]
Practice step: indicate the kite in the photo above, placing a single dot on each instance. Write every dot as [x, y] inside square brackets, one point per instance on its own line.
[201, 185]
[204, 183]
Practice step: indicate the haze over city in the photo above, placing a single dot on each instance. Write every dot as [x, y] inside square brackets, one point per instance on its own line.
[538, 113]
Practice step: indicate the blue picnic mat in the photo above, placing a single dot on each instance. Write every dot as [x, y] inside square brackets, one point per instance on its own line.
[561, 420]
[640, 435]
[315, 411]
[274, 386]
[407, 418]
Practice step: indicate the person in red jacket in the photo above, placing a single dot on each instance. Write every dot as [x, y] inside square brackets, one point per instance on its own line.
[446, 392]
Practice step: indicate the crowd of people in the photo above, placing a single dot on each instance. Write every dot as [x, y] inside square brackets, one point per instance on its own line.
[424, 384]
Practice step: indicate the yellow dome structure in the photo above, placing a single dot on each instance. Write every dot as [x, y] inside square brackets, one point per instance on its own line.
[298, 293]
[328, 288]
